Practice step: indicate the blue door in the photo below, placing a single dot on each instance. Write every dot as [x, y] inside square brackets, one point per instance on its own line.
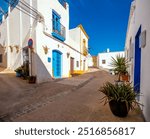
[57, 64]
[137, 62]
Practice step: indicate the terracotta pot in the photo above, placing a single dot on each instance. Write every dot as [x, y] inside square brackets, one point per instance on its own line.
[32, 79]
[125, 78]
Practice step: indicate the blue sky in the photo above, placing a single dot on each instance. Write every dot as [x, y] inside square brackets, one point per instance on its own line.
[105, 21]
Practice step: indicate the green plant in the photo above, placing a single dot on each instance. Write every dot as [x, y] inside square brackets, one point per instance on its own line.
[19, 69]
[120, 65]
[123, 92]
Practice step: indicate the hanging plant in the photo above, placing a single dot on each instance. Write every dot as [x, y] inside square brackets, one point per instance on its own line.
[11, 49]
[17, 48]
[68, 54]
[3, 47]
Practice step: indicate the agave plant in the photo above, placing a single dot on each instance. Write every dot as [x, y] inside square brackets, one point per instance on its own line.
[120, 93]
[119, 65]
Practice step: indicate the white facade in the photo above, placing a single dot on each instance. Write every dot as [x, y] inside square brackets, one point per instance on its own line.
[90, 61]
[51, 41]
[138, 51]
[105, 59]
[78, 39]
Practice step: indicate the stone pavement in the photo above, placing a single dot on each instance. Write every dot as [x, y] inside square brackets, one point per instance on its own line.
[72, 99]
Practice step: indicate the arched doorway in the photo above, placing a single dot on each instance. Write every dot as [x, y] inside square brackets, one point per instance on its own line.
[57, 63]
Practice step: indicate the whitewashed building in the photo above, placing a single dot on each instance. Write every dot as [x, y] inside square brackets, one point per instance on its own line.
[105, 58]
[90, 61]
[44, 26]
[78, 39]
[138, 51]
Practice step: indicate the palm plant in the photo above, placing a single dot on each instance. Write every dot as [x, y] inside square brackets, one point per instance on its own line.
[119, 92]
[119, 65]
[121, 97]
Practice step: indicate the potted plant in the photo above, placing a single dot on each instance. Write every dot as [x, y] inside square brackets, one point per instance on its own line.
[120, 65]
[32, 79]
[19, 71]
[125, 77]
[121, 98]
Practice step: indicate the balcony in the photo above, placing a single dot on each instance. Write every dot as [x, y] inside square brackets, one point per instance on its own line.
[59, 31]
[63, 3]
[85, 51]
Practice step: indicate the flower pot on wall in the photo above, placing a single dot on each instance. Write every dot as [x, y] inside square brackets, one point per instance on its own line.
[45, 48]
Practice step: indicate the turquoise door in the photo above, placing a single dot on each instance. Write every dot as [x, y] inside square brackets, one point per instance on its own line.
[57, 64]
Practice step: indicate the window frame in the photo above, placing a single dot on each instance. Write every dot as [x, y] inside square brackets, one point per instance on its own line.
[104, 61]
[77, 64]
[56, 21]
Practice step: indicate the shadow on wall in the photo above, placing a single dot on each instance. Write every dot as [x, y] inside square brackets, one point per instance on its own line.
[17, 60]
[42, 73]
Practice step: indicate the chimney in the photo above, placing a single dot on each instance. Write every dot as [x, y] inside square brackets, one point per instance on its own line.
[108, 50]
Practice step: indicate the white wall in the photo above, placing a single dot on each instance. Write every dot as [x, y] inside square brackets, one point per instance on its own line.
[76, 37]
[90, 61]
[45, 7]
[3, 43]
[108, 58]
[44, 68]
[142, 19]
[130, 41]
[21, 27]
[16, 33]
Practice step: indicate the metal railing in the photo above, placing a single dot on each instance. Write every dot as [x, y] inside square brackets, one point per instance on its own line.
[59, 29]
[63, 3]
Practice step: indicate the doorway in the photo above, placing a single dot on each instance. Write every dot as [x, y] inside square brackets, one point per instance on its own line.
[71, 65]
[137, 62]
[26, 61]
[57, 63]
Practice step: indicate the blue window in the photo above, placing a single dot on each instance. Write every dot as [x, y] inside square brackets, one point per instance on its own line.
[13, 3]
[56, 22]
[58, 28]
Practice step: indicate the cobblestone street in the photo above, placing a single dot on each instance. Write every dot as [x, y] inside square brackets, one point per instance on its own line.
[72, 99]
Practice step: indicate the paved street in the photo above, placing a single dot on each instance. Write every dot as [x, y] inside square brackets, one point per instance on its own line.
[72, 99]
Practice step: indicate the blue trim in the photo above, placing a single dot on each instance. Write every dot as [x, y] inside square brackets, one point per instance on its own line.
[55, 13]
[62, 2]
[57, 26]
[0, 21]
[59, 37]
[137, 62]
[14, 3]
